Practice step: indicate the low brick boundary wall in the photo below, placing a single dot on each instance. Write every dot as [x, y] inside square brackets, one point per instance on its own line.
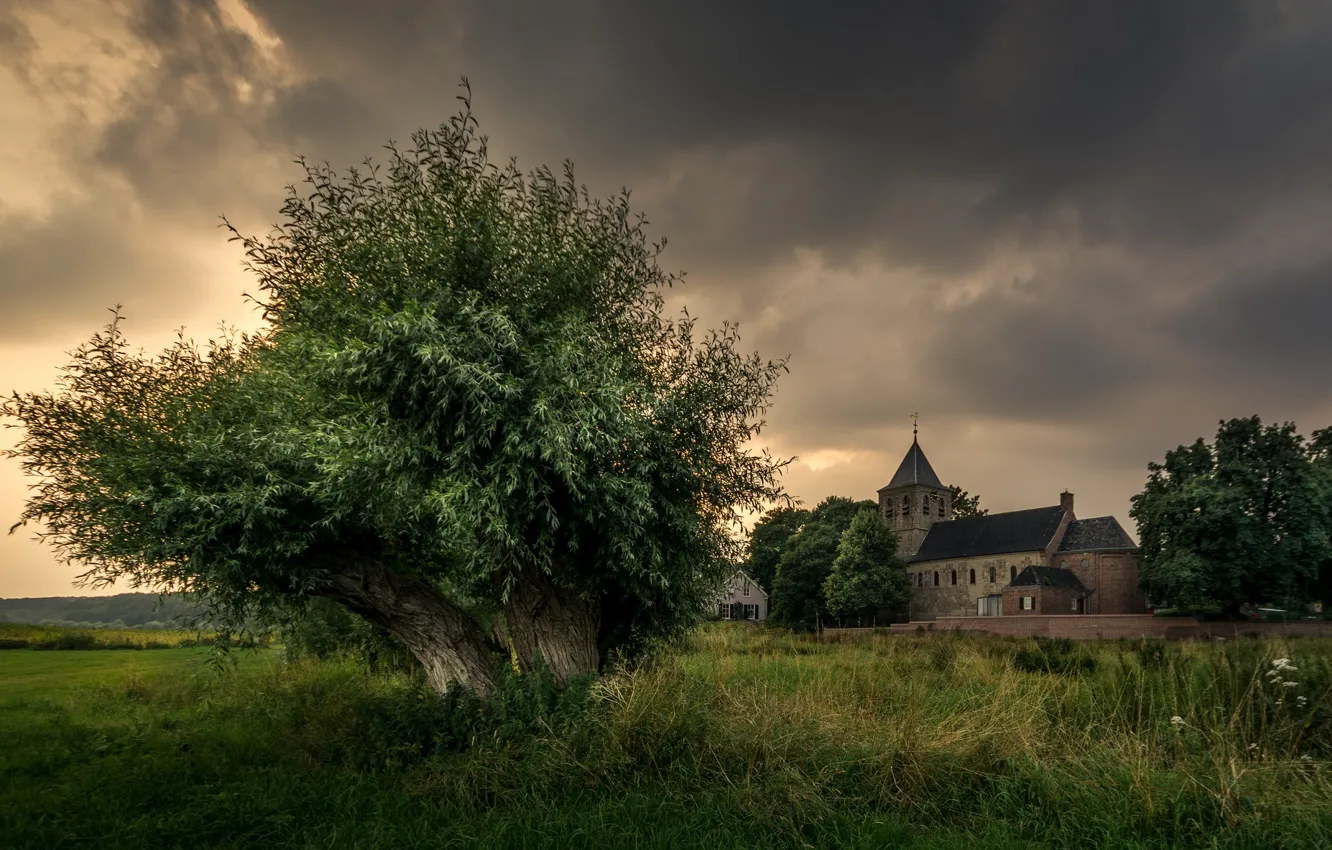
[1113, 626]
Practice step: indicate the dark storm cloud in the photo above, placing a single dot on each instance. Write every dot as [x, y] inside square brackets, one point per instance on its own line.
[1272, 331]
[930, 137]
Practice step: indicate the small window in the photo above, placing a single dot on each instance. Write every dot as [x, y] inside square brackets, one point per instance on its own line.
[992, 575]
[746, 590]
[1085, 563]
[954, 577]
[973, 576]
[941, 509]
[906, 505]
[936, 578]
[925, 505]
[1063, 565]
[1027, 603]
[920, 579]
[723, 610]
[1073, 605]
[1012, 573]
[887, 506]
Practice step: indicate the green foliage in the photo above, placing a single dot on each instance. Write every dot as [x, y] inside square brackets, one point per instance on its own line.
[767, 541]
[1247, 519]
[867, 575]
[966, 505]
[467, 379]
[798, 590]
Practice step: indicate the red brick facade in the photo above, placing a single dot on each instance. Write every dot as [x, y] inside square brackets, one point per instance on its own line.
[1111, 578]
[1044, 600]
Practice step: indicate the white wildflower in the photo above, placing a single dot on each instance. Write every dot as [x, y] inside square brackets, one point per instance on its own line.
[1306, 757]
[1290, 684]
[1177, 722]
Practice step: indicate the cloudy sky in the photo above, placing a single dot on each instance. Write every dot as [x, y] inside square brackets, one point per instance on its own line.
[1070, 235]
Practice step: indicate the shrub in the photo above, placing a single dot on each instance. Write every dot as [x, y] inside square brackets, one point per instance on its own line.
[326, 630]
[409, 725]
[1053, 655]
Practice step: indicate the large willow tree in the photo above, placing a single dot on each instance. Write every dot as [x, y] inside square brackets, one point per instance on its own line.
[468, 419]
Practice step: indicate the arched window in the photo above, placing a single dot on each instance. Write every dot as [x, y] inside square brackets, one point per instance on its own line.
[992, 579]
[1012, 573]
[941, 509]
[955, 578]
[906, 505]
[925, 505]
[973, 576]
[920, 579]
[887, 507]
[1063, 564]
[1085, 563]
[936, 578]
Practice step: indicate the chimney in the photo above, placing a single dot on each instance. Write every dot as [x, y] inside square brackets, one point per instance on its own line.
[1066, 501]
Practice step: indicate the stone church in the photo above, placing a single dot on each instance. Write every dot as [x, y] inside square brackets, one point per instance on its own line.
[1020, 563]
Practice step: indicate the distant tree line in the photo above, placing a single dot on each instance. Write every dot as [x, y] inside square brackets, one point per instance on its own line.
[121, 610]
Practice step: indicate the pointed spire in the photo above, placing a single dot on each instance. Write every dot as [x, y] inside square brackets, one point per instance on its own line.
[915, 469]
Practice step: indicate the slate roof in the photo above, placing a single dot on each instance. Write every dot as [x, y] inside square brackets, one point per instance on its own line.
[1102, 532]
[993, 534]
[914, 469]
[1046, 577]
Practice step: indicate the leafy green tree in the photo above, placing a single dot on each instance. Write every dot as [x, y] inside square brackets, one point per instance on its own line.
[797, 591]
[868, 575]
[768, 540]
[1244, 519]
[467, 420]
[966, 505]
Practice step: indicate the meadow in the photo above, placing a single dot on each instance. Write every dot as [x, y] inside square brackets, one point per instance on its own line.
[737, 737]
[21, 636]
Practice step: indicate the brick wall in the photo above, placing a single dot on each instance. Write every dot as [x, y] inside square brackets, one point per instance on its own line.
[1114, 626]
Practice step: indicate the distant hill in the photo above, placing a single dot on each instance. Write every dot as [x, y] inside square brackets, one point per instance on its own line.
[123, 610]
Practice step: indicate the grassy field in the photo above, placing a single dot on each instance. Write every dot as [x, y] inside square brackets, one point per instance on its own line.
[742, 737]
[20, 636]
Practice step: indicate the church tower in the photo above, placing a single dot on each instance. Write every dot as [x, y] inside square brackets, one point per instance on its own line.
[914, 500]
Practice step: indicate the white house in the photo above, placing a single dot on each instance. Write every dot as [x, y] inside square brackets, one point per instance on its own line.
[742, 599]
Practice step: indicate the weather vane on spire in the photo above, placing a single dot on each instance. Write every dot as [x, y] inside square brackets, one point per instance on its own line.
[915, 424]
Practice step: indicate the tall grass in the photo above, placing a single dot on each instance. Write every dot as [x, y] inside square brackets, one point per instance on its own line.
[739, 736]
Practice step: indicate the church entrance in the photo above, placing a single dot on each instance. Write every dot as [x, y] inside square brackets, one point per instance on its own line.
[990, 606]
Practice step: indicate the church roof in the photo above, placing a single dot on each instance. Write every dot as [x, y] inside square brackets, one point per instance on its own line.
[992, 534]
[1046, 577]
[915, 469]
[1102, 532]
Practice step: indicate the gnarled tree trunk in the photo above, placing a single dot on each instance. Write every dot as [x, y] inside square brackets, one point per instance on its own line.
[448, 642]
[541, 618]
